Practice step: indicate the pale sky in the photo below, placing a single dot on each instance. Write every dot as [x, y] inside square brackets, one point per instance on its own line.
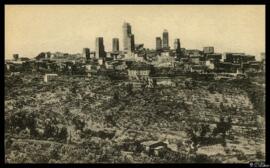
[31, 29]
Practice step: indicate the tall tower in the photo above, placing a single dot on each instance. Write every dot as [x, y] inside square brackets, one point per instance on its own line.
[132, 43]
[177, 47]
[86, 53]
[115, 44]
[158, 43]
[165, 39]
[100, 52]
[128, 38]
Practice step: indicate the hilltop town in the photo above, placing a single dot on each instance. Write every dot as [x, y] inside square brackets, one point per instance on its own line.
[138, 105]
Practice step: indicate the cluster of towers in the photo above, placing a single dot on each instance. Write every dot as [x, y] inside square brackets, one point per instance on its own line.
[100, 49]
[163, 44]
[129, 43]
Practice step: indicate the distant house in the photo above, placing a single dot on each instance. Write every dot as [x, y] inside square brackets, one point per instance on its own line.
[198, 60]
[254, 66]
[116, 65]
[131, 146]
[15, 74]
[219, 76]
[165, 60]
[223, 76]
[139, 71]
[154, 147]
[139, 47]
[198, 68]
[109, 65]
[165, 53]
[23, 59]
[43, 56]
[164, 81]
[210, 64]
[139, 57]
[238, 58]
[208, 50]
[14, 66]
[101, 61]
[227, 67]
[193, 52]
[120, 66]
[215, 57]
[211, 150]
[136, 85]
[49, 77]
[92, 67]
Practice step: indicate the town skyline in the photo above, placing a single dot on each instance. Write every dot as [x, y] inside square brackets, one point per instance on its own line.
[193, 35]
[135, 84]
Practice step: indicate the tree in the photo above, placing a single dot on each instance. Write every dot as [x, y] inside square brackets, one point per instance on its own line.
[54, 153]
[63, 134]
[116, 96]
[79, 123]
[204, 130]
[32, 123]
[198, 134]
[50, 130]
[24, 119]
[223, 127]
[212, 88]
[110, 119]
[129, 89]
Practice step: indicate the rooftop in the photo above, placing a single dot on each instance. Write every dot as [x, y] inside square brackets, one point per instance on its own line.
[140, 66]
[148, 143]
[51, 75]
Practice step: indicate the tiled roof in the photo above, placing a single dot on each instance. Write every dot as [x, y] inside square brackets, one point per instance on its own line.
[140, 66]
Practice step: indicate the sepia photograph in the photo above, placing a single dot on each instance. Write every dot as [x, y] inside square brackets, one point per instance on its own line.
[134, 84]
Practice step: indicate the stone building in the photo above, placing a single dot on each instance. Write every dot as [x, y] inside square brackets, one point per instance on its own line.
[50, 77]
[155, 148]
[139, 71]
[208, 50]
[238, 58]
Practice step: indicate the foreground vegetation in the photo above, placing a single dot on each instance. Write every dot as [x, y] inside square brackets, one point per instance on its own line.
[93, 119]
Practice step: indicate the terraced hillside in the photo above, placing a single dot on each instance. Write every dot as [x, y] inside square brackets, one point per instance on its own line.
[91, 119]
